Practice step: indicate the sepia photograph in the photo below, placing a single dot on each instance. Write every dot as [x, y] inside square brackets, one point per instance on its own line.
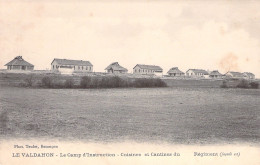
[129, 82]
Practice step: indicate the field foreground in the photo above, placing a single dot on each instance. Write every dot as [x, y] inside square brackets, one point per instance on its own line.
[116, 153]
[174, 115]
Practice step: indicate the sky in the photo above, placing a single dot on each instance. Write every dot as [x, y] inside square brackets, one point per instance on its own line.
[219, 35]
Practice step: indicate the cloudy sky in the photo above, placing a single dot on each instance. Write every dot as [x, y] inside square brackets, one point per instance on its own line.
[203, 34]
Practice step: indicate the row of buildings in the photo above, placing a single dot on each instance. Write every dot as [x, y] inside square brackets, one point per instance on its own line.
[66, 66]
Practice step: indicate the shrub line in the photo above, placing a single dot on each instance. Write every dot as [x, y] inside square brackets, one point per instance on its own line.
[87, 82]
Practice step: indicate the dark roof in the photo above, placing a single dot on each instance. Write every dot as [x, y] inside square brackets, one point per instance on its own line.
[249, 74]
[72, 62]
[175, 70]
[199, 71]
[116, 66]
[151, 67]
[215, 73]
[236, 74]
[19, 61]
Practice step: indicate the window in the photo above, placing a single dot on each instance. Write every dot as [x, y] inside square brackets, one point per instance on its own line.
[86, 67]
[78, 67]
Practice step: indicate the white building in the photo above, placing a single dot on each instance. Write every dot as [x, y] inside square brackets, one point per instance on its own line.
[148, 70]
[66, 66]
[197, 73]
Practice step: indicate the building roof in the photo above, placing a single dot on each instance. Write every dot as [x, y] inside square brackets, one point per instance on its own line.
[215, 73]
[199, 71]
[18, 61]
[175, 70]
[249, 74]
[116, 66]
[151, 67]
[236, 74]
[72, 62]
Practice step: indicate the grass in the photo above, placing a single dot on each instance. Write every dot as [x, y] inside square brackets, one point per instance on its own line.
[175, 115]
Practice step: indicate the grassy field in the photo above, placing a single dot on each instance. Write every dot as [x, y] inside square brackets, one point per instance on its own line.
[175, 115]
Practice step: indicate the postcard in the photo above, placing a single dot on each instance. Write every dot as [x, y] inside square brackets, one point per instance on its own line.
[129, 82]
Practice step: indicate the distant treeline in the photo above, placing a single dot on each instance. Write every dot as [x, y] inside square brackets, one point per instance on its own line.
[95, 82]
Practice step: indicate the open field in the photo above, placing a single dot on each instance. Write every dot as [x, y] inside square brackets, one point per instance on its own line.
[175, 115]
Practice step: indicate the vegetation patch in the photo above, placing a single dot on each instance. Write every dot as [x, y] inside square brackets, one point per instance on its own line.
[117, 82]
[142, 82]
[47, 82]
[69, 83]
[224, 84]
[254, 85]
[28, 81]
[242, 83]
[101, 82]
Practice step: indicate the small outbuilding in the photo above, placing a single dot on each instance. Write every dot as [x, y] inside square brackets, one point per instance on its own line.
[249, 75]
[231, 74]
[215, 74]
[18, 63]
[175, 72]
[116, 68]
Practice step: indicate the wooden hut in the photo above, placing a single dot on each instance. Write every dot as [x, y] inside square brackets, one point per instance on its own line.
[175, 72]
[116, 68]
[18, 63]
[232, 74]
[215, 74]
[249, 75]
